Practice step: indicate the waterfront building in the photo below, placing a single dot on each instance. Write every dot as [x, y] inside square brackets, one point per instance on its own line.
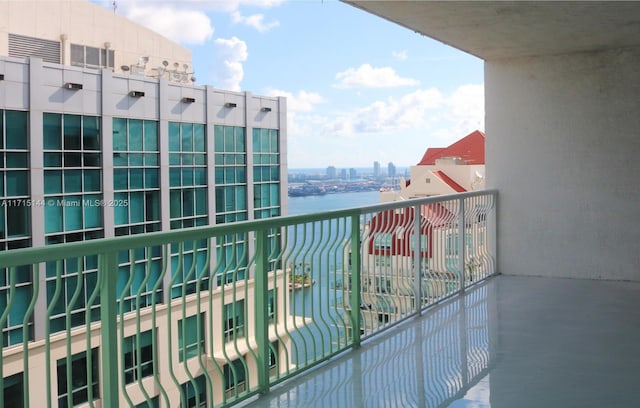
[376, 169]
[389, 246]
[331, 172]
[388, 263]
[391, 170]
[456, 168]
[103, 134]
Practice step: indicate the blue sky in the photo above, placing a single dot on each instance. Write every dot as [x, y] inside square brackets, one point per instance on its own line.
[359, 88]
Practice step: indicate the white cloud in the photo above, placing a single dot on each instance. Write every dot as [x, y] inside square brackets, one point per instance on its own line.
[397, 129]
[400, 55]
[227, 70]
[186, 21]
[183, 26]
[464, 113]
[299, 122]
[388, 116]
[445, 117]
[233, 5]
[367, 76]
[302, 102]
[255, 20]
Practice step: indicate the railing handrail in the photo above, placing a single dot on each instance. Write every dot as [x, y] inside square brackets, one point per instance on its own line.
[17, 257]
[351, 296]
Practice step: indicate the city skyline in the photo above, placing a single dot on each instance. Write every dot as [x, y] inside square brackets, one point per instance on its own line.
[383, 169]
[386, 102]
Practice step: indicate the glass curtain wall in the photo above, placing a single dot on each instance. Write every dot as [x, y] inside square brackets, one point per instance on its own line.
[266, 183]
[15, 219]
[230, 148]
[73, 211]
[136, 207]
[188, 205]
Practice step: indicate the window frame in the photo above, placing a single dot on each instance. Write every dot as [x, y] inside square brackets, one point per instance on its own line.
[78, 365]
[138, 369]
[190, 348]
[234, 320]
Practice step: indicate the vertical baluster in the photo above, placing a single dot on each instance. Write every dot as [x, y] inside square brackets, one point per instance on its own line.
[261, 312]
[461, 244]
[355, 279]
[108, 267]
[417, 255]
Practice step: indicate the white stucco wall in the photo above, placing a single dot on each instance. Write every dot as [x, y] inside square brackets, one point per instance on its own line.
[563, 149]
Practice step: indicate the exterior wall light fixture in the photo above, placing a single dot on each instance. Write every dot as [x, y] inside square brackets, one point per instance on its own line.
[136, 94]
[230, 105]
[188, 99]
[266, 109]
[73, 85]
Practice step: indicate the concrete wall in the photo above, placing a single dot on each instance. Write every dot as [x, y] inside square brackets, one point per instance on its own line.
[563, 148]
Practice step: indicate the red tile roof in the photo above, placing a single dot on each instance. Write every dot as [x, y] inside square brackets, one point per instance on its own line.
[434, 214]
[399, 223]
[450, 182]
[470, 148]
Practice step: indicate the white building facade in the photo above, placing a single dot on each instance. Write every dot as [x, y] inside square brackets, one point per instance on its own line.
[453, 169]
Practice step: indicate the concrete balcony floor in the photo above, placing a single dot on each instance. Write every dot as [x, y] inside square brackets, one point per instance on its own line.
[508, 342]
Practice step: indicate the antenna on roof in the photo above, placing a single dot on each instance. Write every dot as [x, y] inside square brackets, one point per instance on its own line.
[115, 6]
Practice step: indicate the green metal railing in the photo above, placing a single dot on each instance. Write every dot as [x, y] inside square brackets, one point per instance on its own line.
[213, 316]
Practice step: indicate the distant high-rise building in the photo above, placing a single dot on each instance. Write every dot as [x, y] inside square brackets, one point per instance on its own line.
[343, 174]
[353, 174]
[376, 169]
[331, 172]
[391, 169]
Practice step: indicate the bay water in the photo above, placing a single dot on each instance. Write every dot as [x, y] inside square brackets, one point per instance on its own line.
[328, 202]
[320, 301]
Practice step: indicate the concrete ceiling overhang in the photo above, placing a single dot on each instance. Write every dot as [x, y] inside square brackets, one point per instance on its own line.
[497, 30]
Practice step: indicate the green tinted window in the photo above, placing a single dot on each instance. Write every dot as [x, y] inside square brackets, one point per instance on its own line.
[119, 134]
[52, 131]
[16, 130]
[17, 183]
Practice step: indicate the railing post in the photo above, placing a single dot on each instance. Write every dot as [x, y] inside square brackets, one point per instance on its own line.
[417, 256]
[260, 311]
[108, 312]
[463, 329]
[492, 234]
[355, 279]
[4, 314]
[461, 244]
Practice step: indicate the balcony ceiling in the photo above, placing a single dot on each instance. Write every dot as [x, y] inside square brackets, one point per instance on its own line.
[497, 30]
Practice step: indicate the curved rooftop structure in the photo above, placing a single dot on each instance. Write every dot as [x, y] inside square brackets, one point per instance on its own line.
[80, 33]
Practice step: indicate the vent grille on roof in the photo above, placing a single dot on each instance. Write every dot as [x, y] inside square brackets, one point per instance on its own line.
[21, 46]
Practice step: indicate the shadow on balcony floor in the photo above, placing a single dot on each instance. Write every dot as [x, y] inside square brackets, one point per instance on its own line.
[509, 342]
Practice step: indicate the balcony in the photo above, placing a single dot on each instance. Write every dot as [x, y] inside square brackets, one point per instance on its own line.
[217, 316]
[507, 342]
[381, 305]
